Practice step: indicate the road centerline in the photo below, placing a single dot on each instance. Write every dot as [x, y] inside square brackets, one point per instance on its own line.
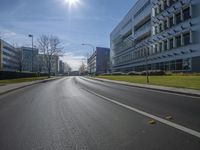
[161, 120]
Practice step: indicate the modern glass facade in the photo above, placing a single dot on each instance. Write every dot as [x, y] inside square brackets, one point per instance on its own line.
[163, 34]
[99, 62]
[29, 59]
[9, 57]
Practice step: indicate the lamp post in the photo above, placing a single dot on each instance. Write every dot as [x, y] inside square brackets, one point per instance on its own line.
[146, 61]
[93, 50]
[31, 36]
[92, 46]
[146, 58]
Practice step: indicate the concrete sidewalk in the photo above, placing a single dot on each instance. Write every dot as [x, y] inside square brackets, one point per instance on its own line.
[182, 91]
[12, 87]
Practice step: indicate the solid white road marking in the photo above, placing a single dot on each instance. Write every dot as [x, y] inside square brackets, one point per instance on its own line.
[171, 124]
[147, 89]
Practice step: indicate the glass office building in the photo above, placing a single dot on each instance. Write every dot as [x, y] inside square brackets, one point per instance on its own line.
[9, 57]
[158, 35]
[29, 59]
[99, 62]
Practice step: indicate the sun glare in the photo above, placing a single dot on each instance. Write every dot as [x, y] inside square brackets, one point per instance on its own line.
[72, 2]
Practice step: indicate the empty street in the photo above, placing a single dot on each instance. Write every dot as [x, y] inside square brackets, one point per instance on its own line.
[80, 113]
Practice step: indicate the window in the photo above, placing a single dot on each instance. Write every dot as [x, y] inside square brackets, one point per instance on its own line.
[187, 64]
[165, 4]
[160, 27]
[165, 25]
[165, 45]
[160, 46]
[186, 13]
[186, 38]
[171, 21]
[167, 66]
[160, 8]
[171, 2]
[171, 43]
[178, 41]
[148, 51]
[178, 18]
[179, 64]
[143, 8]
[173, 65]
[162, 66]
[156, 48]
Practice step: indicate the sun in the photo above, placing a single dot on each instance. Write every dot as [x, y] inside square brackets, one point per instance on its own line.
[72, 2]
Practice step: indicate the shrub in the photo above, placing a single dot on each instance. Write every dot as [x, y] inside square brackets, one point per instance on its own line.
[157, 72]
[106, 74]
[118, 73]
[133, 73]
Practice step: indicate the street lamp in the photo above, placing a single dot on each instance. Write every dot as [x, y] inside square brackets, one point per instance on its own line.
[31, 36]
[146, 58]
[146, 62]
[92, 46]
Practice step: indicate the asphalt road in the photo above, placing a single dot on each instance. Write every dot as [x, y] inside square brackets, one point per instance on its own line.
[78, 113]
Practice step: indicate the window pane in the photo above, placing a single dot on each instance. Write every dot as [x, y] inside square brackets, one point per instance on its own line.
[186, 38]
[179, 64]
[178, 18]
[186, 13]
[171, 21]
[178, 41]
[171, 43]
[186, 64]
[165, 45]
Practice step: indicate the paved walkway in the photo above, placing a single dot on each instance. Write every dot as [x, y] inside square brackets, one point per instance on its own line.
[11, 87]
[155, 87]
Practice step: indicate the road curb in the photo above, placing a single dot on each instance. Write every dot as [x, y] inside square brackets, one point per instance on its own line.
[24, 86]
[175, 90]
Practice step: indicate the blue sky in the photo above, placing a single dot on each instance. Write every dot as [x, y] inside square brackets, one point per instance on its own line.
[89, 21]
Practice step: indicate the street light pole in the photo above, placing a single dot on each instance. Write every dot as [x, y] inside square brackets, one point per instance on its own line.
[146, 60]
[30, 35]
[147, 69]
[93, 47]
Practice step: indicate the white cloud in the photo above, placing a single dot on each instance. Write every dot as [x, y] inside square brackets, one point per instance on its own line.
[14, 38]
[73, 61]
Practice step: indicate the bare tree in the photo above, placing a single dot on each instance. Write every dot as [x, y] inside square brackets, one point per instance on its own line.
[67, 68]
[49, 46]
[82, 69]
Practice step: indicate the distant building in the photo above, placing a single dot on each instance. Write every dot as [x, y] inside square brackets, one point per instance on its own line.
[29, 59]
[9, 57]
[43, 64]
[61, 67]
[74, 73]
[99, 62]
[158, 35]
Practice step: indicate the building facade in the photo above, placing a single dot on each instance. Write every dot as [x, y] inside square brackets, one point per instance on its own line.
[29, 58]
[99, 62]
[158, 35]
[61, 67]
[9, 57]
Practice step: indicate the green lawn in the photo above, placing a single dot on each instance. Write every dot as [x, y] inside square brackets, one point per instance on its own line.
[180, 81]
[11, 81]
